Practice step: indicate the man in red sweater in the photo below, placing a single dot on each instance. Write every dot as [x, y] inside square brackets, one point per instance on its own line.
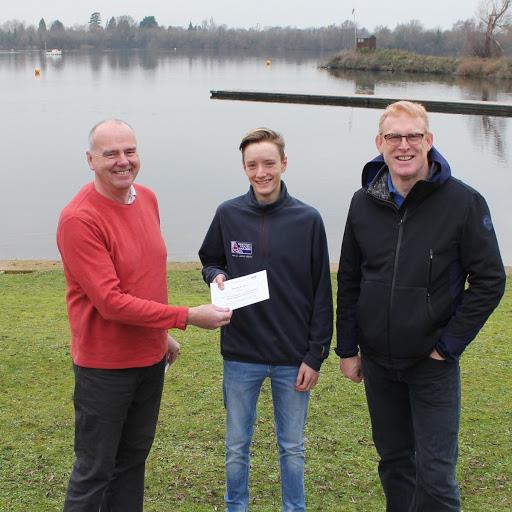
[115, 266]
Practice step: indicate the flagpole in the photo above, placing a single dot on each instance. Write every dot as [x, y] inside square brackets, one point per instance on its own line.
[355, 28]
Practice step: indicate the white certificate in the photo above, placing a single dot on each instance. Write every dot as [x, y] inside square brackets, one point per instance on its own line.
[241, 291]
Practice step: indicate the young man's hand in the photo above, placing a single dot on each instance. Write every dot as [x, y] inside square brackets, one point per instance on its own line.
[219, 279]
[306, 378]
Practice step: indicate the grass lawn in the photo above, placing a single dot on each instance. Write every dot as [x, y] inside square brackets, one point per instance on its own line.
[185, 468]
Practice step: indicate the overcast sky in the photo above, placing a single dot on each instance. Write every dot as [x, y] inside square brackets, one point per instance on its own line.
[240, 13]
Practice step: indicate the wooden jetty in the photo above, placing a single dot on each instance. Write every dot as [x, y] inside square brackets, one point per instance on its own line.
[481, 108]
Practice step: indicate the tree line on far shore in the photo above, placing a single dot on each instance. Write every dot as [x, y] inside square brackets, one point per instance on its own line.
[482, 36]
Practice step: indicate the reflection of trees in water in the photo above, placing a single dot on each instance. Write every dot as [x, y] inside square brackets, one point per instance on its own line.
[492, 128]
[20, 61]
[494, 134]
[364, 85]
[390, 78]
[483, 89]
[124, 59]
[95, 61]
[151, 58]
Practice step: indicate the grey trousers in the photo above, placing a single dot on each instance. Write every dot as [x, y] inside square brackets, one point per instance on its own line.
[116, 412]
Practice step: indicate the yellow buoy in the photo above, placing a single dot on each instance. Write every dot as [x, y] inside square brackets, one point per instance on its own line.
[269, 62]
[37, 71]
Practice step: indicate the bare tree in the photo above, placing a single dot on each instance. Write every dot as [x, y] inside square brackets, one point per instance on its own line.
[493, 16]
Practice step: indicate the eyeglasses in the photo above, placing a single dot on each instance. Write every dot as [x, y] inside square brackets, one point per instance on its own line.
[394, 139]
[114, 155]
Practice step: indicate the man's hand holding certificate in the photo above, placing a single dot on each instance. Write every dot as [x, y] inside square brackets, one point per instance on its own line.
[242, 291]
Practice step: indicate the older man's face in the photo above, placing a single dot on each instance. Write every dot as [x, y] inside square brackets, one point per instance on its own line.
[114, 160]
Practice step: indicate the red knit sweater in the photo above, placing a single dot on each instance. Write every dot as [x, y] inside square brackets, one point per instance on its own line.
[115, 265]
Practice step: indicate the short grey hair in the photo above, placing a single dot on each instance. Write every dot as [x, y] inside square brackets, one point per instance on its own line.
[97, 125]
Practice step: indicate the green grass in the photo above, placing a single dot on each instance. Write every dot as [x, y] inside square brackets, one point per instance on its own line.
[185, 468]
[401, 61]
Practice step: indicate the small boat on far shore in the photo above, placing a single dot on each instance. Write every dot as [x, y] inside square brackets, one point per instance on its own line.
[55, 52]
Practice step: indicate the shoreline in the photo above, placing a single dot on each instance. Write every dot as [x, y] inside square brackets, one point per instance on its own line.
[29, 266]
[393, 60]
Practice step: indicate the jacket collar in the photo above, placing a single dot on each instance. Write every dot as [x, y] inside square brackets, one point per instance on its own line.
[277, 204]
[375, 173]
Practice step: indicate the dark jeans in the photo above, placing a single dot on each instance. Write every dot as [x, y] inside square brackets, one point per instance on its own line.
[415, 423]
[116, 412]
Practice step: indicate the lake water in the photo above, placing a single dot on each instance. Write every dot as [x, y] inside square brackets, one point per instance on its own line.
[188, 142]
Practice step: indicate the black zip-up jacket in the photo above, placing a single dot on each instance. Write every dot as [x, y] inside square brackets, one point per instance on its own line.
[402, 274]
[287, 239]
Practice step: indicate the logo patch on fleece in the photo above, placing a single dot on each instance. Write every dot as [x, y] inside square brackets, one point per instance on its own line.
[487, 222]
[241, 249]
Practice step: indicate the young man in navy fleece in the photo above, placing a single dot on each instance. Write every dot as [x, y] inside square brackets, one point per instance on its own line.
[285, 338]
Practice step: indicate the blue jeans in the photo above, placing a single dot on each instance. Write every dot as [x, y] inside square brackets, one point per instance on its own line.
[242, 385]
[415, 423]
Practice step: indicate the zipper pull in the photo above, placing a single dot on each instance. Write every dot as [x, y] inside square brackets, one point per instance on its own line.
[430, 262]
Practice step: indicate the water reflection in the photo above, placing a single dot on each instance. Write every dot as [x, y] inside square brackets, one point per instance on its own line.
[494, 130]
[487, 131]
[478, 89]
[95, 62]
[372, 78]
[20, 60]
[482, 89]
[149, 59]
[189, 143]
[364, 84]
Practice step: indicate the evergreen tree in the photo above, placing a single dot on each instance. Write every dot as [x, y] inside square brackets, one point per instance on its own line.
[57, 26]
[148, 22]
[95, 21]
[112, 24]
[42, 26]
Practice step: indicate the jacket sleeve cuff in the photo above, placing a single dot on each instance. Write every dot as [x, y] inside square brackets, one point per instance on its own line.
[313, 362]
[210, 273]
[346, 353]
[451, 347]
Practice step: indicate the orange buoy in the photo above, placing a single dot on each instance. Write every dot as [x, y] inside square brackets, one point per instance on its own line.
[269, 62]
[37, 71]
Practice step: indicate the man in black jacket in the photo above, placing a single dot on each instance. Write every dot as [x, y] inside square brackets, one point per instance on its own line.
[285, 338]
[414, 235]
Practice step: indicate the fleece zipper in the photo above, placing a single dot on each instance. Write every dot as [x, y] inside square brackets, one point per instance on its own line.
[263, 237]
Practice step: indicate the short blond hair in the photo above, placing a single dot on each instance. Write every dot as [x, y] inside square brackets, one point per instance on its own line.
[406, 107]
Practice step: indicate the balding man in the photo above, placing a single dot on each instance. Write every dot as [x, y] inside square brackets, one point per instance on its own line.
[115, 266]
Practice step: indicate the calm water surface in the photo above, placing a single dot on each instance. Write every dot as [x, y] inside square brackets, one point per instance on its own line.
[188, 143]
